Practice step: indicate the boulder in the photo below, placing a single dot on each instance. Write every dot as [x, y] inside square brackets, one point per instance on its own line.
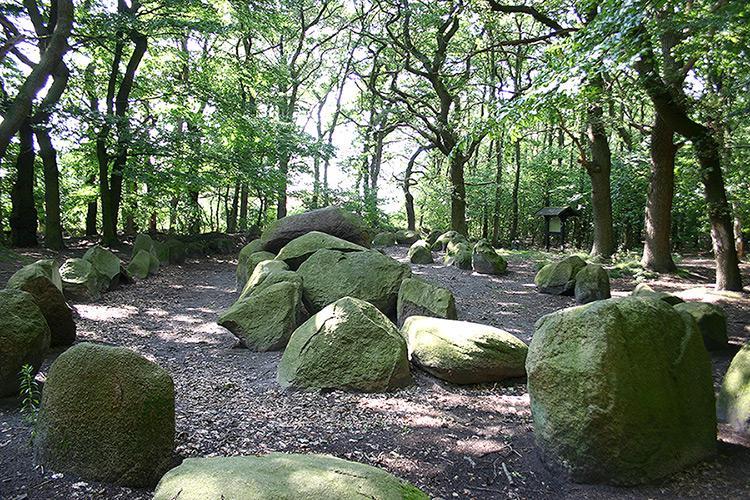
[143, 242]
[81, 282]
[406, 236]
[24, 337]
[246, 265]
[42, 280]
[712, 323]
[264, 321]
[107, 414]
[281, 476]
[417, 297]
[621, 391]
[153, 263]
[272, 278]
[458, 255]
[485, 260]
[105, 263]
[420, 253]
[432, 237]
[176, 250]
[592, 283]
[300, 249]
[254, 246]
[262, 270]
[464, 353]
[733, 406]
[559, 278]
[385, 239]
[161, 251]
[330, 220]
[348, 345]
[140, 264]
[449, 236]
[329, 275]
[643, 290]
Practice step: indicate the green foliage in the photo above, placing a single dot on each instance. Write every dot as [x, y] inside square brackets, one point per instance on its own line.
[30, 395]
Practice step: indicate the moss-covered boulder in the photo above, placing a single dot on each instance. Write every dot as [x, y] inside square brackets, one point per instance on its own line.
[463, 353]
[712, 323]
[42, 280]
[107, 414]
[143, 242]
[140, 264]
[643, 290]
[246, 265]
[300, 249]
[81, 282]
[458, 255]
[24, 337]
[330, 220]
[432, 237]
[329, 275]
[592, 283]
[733, 406]
[441, 243]
[420, 253]
[417, 297]
[177, 251]
[559, 278]
[621, 391]
[262, 271]
[485, 260]
[272, 278]
[104, 262]
[162, 252]
[384, 239]
[348, 345]
[265, 320]
[406, 236]
[281, 476]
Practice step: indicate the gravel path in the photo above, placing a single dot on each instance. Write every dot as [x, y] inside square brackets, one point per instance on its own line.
[454, 442]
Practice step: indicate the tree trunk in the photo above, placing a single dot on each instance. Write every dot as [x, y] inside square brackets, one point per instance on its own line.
[514, 196]
[282, 195]
[194, 226]
[53, 237]
[91, 210]
[599, 169]
[232, 219]
[739, 242]
[23, 216]
[458, 195]
[498, 191]
[657, 252]
[243, 207]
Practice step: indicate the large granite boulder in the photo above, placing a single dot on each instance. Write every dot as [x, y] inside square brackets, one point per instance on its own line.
[272, 278]
[441, 243]
[621, 391]
[140, 264]
[458, 255]
[385, 239]
[329, 275]
[348, 345]
[420, 253]
[464, 353]
[559, 278]
[300, 249]
[330, 220]
[712, 323]
[262, 270]
[264, 321]
[485, 260]
[81, 282]
[42, 280]
[143, 242]
[107, 414]
[24, 337]
[246, 265]
[406, 236]
[733, 406]
[417, 297]
[281, 476]
[643, 290]
[176, 251]
[592, 283]
[105, 263]
[432, 236]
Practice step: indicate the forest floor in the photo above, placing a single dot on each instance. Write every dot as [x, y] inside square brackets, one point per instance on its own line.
[452, 441]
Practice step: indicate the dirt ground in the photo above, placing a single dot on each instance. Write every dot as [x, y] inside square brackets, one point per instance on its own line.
[451, 441]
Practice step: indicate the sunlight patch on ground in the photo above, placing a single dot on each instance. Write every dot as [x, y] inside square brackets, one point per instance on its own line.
[159, 313]
[96, 312]
[184, 318]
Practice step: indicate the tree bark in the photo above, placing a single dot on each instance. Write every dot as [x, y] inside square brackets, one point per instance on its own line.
[657, 252]
[243, 207]
[514, 196]
[498, 190]
[91, 210]
[53, 237]
[23, 216]
[232, 219]
[458, 195]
